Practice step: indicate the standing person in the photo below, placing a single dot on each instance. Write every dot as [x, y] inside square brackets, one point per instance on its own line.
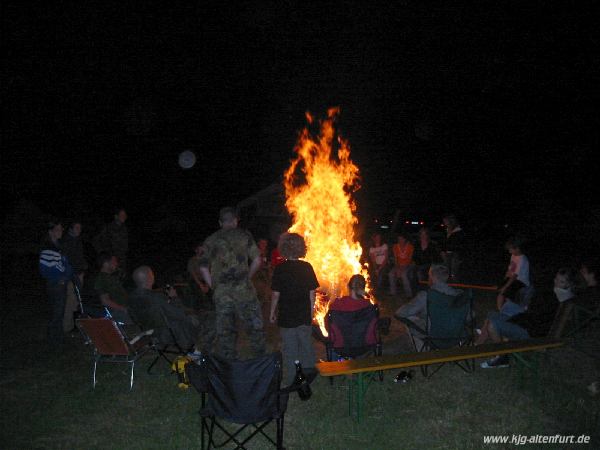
[114, 239]
[403, 254]
[72, 248]
[426, 253]
[453, 252]
[57, 271]
[378, 258]
[515, 279]
[293, 293]
[225, 269]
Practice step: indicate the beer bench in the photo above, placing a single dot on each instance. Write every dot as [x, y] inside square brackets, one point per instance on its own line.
[362, 370]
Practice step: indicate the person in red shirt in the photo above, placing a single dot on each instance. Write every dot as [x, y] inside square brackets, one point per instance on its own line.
[356, 300]
[403, 260]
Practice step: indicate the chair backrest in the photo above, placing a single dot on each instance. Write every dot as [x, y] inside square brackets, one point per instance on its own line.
[447, 317]
[105, 335]
[240, 391]
[353, 333]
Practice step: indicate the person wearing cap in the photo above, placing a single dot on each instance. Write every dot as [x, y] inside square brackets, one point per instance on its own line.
[57, 271]
[225, 267]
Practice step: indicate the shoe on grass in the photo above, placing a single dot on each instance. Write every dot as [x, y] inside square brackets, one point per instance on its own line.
[196, 355]
[496, 362]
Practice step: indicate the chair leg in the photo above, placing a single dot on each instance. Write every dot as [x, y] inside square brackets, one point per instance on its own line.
[131, 376]
[280, 423]
[94, 374]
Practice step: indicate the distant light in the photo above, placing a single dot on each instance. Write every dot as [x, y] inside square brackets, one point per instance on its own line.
[421, 223]
[407, 221]
[505, 225]
[187, 159]
[414, 223]
[385, 227]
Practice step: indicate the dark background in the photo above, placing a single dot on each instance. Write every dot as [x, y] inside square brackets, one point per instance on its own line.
[487, 110]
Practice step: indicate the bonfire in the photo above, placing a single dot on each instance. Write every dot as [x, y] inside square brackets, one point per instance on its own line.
[319, 185]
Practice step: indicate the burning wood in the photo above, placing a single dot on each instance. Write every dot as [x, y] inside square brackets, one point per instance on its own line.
[319, 189]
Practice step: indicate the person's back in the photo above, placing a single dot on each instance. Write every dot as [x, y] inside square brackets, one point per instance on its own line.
[229, 251]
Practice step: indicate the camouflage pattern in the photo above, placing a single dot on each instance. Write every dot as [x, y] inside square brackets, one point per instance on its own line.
[226, 253]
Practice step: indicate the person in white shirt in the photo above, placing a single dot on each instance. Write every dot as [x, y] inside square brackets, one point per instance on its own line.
[378, 258]
[516, 281]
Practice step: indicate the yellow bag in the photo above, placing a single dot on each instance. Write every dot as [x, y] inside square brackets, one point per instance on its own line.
[178, 367]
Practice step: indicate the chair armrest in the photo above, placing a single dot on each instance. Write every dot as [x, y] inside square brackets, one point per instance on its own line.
[142, 335]
[411, 325]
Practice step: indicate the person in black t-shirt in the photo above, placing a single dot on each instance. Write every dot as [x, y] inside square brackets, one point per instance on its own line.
[292, 301]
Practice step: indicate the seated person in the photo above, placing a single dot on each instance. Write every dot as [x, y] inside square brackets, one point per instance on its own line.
[356, 301]
[589, 297]
[416, 309]
[378, 259]
[515, 280]
[151, 309]
[403, 262]
[426, 253]
[537, 321]
[109, 289]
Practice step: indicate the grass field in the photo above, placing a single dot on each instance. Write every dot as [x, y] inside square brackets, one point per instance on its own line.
[47, 400]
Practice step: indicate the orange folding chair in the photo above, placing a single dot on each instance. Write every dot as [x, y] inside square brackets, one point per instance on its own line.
[111, 344]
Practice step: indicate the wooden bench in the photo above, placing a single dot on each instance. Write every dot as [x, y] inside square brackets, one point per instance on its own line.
[361, 369]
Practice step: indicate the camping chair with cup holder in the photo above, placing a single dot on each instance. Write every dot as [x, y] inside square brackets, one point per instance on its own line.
[243, 392]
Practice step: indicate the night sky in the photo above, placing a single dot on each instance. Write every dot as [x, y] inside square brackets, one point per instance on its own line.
[488, 110]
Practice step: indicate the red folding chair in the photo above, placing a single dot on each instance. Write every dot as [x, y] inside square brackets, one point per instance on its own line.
[111, 344]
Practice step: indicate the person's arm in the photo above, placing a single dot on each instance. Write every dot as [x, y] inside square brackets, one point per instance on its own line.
[256, 262]
[206, 275]
[274, 302]
[107, 301]
[415, 307]
[312, 295]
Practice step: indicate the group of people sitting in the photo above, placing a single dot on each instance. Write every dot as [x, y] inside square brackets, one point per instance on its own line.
[409, 263]
[521, 311]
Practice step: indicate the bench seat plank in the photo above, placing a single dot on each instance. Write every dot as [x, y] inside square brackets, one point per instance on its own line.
[386, 362]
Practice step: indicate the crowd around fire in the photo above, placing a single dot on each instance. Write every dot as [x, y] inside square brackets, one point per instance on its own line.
[316, 267]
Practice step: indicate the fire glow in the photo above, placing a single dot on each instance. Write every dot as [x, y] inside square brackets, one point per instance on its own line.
[319, 190]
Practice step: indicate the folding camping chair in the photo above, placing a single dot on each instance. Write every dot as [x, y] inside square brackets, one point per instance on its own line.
[449, 323]
[352, 334]
[246, 393]
[111, 344]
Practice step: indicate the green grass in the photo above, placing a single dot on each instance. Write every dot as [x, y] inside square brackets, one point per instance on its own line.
[48, 402]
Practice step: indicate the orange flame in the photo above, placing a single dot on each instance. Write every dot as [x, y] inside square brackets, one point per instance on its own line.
[318, 196]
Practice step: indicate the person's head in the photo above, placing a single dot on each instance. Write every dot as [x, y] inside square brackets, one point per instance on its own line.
[438, 273]
[75, 228]
[356, 286]
[120, 216]
[402, 238]
[450, 221]
[55, 229]
[292, 246]
[228, 217]
[376, 239]
[107, 263]
[513, 245]
[424, 234]
[589, 270]
[564, 279]
[199, 250]
[143, 277]
[262, 245]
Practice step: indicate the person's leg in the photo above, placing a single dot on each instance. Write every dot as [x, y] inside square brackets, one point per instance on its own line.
[406, 281]
[510, 308]
[71, 306]
[249, 311]
[57, 297]
[225, 324]
[393, 277]
[289, 352]
[485, 333]
[305, 346]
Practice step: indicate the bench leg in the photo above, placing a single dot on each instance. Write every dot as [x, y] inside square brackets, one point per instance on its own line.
[531, 364]
[357, 388]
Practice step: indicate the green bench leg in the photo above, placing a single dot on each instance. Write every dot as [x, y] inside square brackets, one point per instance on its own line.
[357, 388]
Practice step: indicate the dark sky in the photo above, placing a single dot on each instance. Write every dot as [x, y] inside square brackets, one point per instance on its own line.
[485, 109]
